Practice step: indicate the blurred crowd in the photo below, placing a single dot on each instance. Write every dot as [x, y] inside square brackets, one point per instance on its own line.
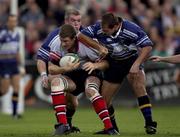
[159, 18]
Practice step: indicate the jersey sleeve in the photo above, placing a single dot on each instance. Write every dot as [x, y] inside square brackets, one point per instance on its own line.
[54, 57]
[43, 52]
[143, 40]
[140, 37]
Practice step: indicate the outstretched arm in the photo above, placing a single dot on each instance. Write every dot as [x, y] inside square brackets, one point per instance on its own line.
[170, 59]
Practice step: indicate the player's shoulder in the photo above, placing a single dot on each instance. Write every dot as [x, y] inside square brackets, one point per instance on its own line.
[54, 32]
[130, 24]
[52, 37]
[96, 25]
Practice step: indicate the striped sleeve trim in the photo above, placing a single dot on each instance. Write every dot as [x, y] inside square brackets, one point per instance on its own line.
[142, 40]
[54, 56]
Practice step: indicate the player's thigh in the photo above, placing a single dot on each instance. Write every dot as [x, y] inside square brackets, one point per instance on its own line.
[5, 84]
[69, 83]
[15, 81]
[138, 83]
[108, 90]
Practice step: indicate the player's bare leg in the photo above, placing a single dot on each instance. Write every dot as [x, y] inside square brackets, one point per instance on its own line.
[99, 104]
[5, 83]
[138, 83]
[16, 86]
[58, 87]
[72, 103]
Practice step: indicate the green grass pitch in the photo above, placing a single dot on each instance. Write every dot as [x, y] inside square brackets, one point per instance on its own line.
[40, 122]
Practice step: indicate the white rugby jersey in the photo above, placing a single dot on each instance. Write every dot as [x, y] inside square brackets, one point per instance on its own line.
[85, 53]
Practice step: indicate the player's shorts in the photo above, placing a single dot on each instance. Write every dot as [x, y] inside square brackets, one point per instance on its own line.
[119, 69]
[79, 77]
[8, 69]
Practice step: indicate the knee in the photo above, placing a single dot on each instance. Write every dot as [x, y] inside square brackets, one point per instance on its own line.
[57, 84]
[92, 87]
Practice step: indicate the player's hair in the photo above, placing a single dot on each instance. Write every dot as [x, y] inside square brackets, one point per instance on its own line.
[67, 30]
[110, 20]
[71, 11]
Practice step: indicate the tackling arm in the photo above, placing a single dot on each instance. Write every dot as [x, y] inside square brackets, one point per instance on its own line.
[55, 70]
[92, 43]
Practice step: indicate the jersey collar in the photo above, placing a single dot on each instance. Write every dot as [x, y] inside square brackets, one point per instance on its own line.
[117, 33]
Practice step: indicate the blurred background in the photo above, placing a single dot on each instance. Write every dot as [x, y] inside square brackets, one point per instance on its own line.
[159, 18]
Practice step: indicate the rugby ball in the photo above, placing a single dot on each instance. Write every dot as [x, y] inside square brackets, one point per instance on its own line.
[68, 58]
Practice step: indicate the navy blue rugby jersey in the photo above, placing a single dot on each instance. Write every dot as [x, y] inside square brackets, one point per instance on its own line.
[127, 40]
[49, 44]
[9, 45]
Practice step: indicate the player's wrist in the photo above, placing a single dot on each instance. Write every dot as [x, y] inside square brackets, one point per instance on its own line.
[43, 74]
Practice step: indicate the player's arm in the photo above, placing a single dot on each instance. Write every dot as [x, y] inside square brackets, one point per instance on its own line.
[90, 66]
[170, 59]
[55, 69]
[92, 43]
[20, 64]
[41, 66]
[143, 55]
[145, 45]
[42, 59]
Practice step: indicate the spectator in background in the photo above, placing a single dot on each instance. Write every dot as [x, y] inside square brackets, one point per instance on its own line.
[55, 12]
[3, 13]
[10, 61]
[32, 38]
[33, 14]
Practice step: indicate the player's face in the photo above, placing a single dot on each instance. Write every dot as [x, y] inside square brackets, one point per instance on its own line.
[12, 22]
[107, 30]
[67, 43]
[75, 21]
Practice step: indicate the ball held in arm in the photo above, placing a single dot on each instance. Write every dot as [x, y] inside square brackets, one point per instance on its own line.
[68, 58]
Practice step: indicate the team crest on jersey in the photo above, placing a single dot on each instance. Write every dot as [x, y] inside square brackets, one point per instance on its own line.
[118, 48]
[108, 40]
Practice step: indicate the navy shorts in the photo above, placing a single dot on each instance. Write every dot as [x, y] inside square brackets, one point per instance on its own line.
[79, 77]
[8, 69]
[119, 69]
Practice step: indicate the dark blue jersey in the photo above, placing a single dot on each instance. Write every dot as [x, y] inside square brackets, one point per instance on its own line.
[124, 43]
[49, 44]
